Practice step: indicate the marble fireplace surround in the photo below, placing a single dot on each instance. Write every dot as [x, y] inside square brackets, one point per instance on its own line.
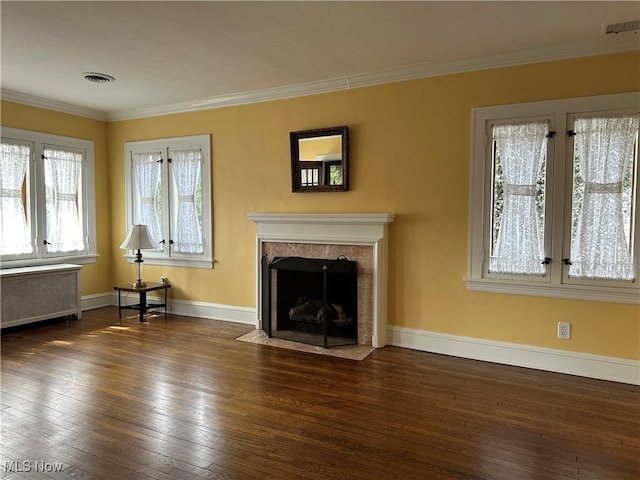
[359, 236]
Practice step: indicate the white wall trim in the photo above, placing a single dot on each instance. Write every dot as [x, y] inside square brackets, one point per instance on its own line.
[55, 105]
[575, 292]
[539, 358]
[553, 360]
[98, 300]
[566, 50]
[214, 311]
[563, 51]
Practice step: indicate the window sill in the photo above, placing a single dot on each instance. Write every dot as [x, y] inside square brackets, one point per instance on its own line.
[175, 261]
[629, 295]
[32, 262]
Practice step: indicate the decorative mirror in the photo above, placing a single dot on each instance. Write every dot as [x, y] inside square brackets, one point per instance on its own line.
[320, 160]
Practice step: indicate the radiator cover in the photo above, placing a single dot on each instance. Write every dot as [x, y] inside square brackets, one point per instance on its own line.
[29, 294]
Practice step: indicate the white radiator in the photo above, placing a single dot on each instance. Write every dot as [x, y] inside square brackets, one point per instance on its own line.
[29, 294]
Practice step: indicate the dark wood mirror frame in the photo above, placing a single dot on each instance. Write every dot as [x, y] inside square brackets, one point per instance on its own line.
[320, 175]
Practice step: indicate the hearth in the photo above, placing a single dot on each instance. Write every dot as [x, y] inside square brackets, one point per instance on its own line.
[310, 300]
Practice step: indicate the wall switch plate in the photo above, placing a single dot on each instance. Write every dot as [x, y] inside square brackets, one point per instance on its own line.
[564, 330]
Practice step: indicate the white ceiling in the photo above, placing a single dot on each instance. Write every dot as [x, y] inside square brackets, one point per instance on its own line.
[177, 56]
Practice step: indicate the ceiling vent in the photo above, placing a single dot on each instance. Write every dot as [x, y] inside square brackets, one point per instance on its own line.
[621, 27]
[98, 77]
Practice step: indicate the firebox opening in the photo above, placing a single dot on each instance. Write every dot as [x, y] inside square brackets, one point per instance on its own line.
[313, 301]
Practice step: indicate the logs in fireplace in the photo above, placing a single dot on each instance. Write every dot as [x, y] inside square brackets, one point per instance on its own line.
[310, 300]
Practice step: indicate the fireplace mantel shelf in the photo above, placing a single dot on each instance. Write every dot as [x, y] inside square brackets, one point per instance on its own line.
[321, 228]
[368, 229]
[331, 218]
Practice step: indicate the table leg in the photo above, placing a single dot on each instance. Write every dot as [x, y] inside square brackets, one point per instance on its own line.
[143, 304]
[165, 303]
[119, 306]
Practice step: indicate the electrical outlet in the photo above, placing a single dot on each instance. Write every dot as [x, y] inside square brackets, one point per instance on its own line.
[564, 330]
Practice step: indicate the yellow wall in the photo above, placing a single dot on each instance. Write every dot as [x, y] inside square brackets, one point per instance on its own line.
[409, 155]
[95, 277]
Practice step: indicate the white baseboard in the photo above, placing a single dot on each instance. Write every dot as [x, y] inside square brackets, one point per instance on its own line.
[98, 300]
[214, 311]
[560, 361]
[552, 360]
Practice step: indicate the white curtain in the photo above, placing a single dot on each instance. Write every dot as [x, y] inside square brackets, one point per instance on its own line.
[147, 167]
[519, 247]
[62, 179]
[604, 147]
[187, 235]
[15, 237]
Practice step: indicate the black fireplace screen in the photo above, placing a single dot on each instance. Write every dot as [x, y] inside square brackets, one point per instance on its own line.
[310, 300]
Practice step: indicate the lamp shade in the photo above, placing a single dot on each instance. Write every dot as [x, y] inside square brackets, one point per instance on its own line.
[138, 239]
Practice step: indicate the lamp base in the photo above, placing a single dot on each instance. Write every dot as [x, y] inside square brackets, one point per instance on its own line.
[139, 284]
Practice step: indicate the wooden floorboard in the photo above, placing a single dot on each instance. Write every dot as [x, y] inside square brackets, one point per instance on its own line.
[180, 398]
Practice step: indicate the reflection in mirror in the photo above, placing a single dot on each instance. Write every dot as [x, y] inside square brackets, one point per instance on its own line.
[319, 160]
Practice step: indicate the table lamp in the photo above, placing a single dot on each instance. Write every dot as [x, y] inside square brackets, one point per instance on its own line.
[138, 239]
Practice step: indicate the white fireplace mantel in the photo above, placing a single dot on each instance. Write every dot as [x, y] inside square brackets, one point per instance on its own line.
[338, 229]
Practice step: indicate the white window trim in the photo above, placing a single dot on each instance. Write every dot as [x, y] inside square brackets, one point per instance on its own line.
[477, 280]
[176, 260]
[39, 140]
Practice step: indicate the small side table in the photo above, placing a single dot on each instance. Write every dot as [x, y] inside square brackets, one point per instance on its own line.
[143, 306]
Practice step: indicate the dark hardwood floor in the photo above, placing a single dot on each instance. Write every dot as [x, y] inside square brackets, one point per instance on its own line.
[181, 399]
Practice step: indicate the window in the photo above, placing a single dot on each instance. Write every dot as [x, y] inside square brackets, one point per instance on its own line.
[518, 165]
[603, 197]
[47, 201]
[309, 174]
[554, 202]
[168, 188]
[326, 169]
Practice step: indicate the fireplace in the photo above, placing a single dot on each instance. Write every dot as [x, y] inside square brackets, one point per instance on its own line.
[310, 300]
[361, 238]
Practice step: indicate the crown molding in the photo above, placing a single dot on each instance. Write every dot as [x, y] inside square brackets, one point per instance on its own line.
[564, 51]
[574, 49]
[242, 98]
[567, 50]
[48, 104]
